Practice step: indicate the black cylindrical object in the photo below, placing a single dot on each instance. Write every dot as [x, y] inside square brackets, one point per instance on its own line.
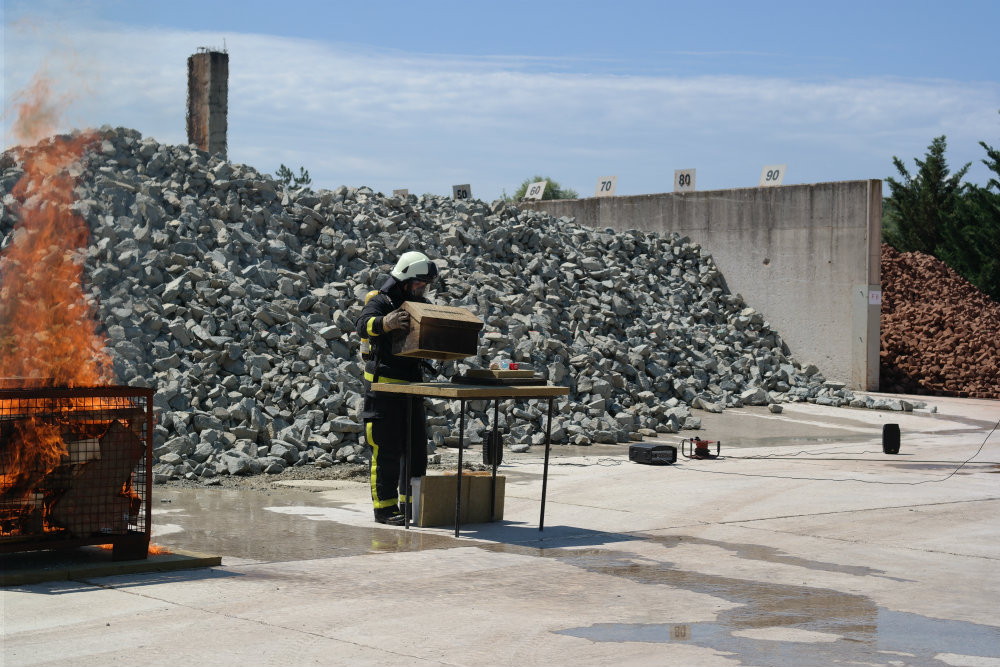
[493, 448]
[890, 438]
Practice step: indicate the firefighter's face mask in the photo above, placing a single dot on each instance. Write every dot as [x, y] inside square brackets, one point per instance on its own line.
[418, 287]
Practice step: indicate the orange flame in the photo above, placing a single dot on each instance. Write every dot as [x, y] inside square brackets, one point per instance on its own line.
[38, 112]
[154, 549]
[34, 449]
[48, 334]
[47, 328]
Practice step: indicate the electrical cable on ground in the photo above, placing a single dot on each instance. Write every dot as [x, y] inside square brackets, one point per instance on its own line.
[852, 479]
[611, 461]
[608, 461]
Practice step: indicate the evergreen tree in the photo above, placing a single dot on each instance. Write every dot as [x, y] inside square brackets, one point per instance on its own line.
[922, 205]
[290, 180]
[971, 243]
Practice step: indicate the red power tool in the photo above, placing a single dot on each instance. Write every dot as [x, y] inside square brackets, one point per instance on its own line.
[696, 448]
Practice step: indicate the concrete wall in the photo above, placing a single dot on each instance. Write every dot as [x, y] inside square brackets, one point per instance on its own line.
[208, 100]
[805, 256]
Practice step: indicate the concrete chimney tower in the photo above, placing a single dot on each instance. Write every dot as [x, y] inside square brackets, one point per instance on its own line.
[208, 100]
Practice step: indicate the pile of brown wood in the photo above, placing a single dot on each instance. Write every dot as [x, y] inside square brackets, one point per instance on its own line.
[940, 334]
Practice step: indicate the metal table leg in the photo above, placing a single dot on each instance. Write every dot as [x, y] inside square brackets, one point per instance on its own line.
[407, 486]
[494, 458]
[458, 484]
[545, 472]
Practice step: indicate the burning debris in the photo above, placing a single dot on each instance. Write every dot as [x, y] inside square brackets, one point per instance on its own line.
[47, 326]
[75, 468]
[235, 298]
[75, 454]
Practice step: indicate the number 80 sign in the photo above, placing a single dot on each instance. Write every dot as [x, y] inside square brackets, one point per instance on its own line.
[684, 180]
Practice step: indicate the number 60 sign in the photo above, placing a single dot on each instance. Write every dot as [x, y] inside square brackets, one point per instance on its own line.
[535, 190]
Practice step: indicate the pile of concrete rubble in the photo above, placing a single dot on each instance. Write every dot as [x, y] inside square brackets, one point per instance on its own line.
[236, 298]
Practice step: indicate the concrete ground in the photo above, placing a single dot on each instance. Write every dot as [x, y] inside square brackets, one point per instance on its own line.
[804, 545]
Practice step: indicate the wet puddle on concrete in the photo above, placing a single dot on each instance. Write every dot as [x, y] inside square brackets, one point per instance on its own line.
[778, 624]
[893, 638]
[273, 526]
[774, 624]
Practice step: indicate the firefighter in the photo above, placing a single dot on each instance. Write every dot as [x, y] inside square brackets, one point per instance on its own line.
[385, 414]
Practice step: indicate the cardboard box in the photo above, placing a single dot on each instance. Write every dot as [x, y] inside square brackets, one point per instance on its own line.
[434, 499]
[438, 332]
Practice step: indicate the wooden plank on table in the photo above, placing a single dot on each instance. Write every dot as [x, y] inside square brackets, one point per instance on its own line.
[502, 381]
[498, 373]
[449, 390]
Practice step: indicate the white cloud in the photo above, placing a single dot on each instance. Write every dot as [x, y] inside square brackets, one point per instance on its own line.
[387, 119]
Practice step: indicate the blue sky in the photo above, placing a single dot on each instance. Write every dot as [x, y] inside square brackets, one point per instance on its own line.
[425, 95]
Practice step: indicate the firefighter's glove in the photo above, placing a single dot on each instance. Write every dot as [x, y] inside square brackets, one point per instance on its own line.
[397, 320]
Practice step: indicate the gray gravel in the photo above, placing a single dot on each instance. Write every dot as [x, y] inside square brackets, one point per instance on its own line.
[235, 298]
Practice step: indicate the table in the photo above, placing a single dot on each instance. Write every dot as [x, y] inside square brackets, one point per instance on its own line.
[473, 392]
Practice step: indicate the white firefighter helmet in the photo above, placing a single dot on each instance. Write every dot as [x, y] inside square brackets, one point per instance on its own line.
[414, 265]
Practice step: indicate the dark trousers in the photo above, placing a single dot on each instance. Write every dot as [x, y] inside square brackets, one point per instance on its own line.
[385, 433]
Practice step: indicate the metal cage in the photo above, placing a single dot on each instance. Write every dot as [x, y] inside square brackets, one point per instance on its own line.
[76, 468]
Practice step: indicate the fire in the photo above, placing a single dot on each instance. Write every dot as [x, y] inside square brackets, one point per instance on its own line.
[25, 462]
[154, 549]
[48, 333]
[47, 328]
[157, 550]
[38, 110]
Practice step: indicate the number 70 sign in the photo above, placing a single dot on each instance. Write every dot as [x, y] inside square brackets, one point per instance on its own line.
[606, 186]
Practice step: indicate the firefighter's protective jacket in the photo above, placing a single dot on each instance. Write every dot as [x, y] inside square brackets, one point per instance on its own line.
[381, 365]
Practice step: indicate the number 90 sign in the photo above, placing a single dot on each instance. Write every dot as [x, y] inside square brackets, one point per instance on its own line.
[772, 175]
